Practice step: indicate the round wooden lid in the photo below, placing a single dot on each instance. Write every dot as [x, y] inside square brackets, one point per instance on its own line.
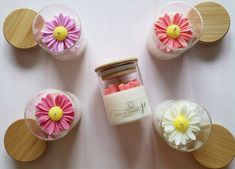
[116, 63]
[219, 151]
[216, 21]
[21, 144]
[17, 28]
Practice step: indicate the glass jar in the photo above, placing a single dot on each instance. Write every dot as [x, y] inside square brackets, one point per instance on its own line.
[123, 91]
[57, 29]
[51, 114]
[177, 27]
[184, 125]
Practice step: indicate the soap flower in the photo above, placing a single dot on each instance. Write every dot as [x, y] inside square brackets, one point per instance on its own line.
[173, 32]
[181, 125]
[54, 114]
[60, 33]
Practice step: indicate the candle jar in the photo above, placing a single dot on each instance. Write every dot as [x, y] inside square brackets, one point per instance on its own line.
[176, 28]
[184, 125]
[57, 29]
[51, 114]
[123, 92]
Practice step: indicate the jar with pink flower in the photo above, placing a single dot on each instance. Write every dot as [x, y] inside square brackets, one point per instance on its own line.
[57, 29]
[51, 114]
[176, 28]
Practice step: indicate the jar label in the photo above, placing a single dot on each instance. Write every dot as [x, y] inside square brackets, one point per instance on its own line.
[127, 106]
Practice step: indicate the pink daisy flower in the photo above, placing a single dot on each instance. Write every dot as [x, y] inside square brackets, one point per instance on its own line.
[60, 33]
[173, 32]
[54, 114]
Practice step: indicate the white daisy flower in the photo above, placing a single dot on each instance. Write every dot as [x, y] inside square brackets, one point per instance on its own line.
[181, 124]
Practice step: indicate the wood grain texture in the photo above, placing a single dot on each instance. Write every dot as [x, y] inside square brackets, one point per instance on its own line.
[216, 21]
[21, 144]
[117, 74]
[116, 63]
[219, 151]
[17, 28]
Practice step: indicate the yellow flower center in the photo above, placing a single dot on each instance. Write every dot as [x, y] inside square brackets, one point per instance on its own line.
[60, 33]
[181, 123]
[173, 31]
[55, 113]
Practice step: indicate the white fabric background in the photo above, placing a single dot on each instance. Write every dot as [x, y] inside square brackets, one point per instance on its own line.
[205, 74]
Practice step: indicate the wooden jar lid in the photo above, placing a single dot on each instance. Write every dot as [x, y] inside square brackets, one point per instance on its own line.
[118, 67]
[219, 151]
[17, 28]
[21, 144]
[216, 21]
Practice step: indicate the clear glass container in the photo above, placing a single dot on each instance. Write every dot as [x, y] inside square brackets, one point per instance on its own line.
[57, 29]
[177, 27]
[184, 125]
[51, 114]
[123, 91]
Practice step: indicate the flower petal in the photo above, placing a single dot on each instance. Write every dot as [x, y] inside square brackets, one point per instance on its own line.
[41, 113]
[177, 18]
[70, 25]
[51, 128]
[161, 26]
[162, 22]
[57, 129]
[60, 46]
[61, 19]
[68, 118]
[43, 118]
[186, 36]
[184, 22]
[170, 43]
[166, 123]
[178, 138]
[66, 20]
[183, 139]
[182, 42]
[47, 39]
[42, 107]
[190, 134]
[172, 136]
[194, 128]
[167, 19]
[68, 43]
[50, 100]
[64, 124]
[51, 43]
[50, 25]
[169, 129]
[195, 120]
[162, 35]
[168, 116]
[73, 37]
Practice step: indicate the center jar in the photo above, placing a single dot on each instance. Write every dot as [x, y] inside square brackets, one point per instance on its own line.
[123, 92]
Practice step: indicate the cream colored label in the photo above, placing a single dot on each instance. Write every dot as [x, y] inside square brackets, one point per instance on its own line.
[127, 105]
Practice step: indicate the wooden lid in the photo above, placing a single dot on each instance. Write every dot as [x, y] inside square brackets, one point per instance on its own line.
[115, 63]
[17, 28]
[216, 21]
[219, 151]
[21, 144]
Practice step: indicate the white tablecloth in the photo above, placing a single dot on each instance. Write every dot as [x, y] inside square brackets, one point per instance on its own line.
[205, 74]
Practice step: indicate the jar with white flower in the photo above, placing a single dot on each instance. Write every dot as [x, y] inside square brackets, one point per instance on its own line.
[176, 28]
[51, 114]
[57, 29]
[184, 125]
